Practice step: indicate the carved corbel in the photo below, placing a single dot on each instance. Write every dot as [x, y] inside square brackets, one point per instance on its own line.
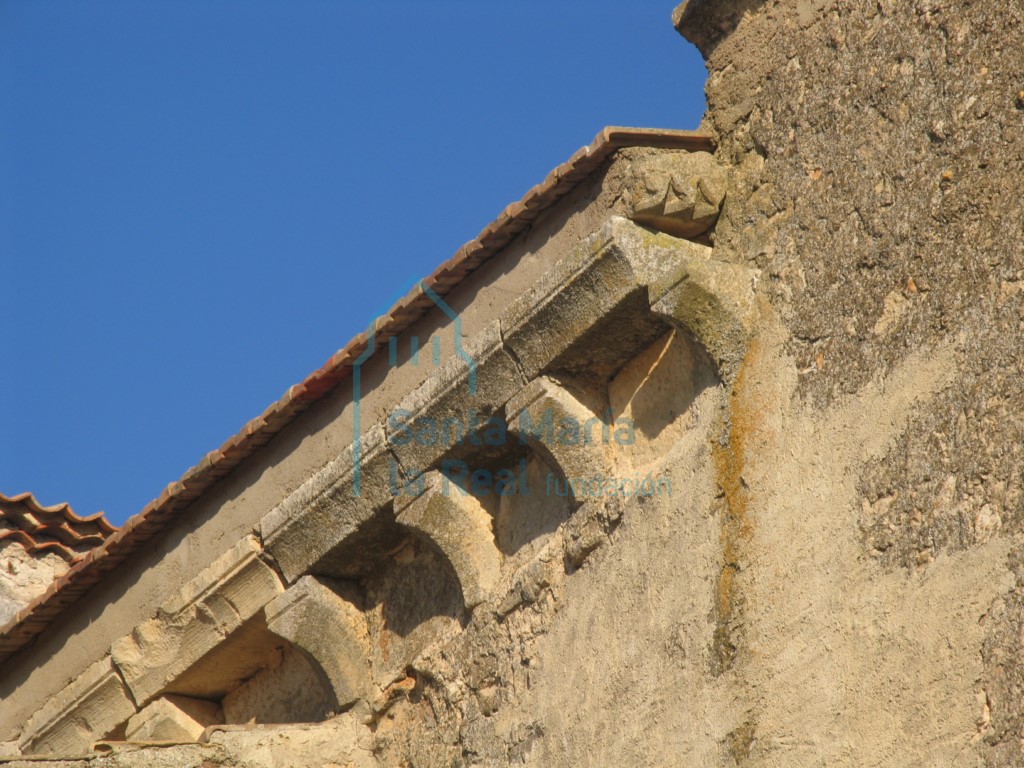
[86, 710]
[586, 286]
[713, 301]
[461, 528]
[680, 194]
[204, 614]
[563, 431]
[331, 631]
[457, 396]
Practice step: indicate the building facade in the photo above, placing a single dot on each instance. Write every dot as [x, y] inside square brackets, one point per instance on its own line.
[706, 452]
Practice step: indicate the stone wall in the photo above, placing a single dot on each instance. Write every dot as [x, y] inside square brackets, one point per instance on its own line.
[881, 148]
[24, 576]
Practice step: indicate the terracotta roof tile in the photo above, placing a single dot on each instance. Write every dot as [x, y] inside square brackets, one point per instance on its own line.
[515, 218]
[54, 529]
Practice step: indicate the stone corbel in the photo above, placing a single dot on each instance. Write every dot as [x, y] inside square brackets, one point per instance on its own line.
[451, 394]
[563, 431]
[173, 718]
[200, 617]
[91, 706]
[613, 268]
[678, 193]
[713, 301]
[331, 631]
[585, 286]
[461, 528]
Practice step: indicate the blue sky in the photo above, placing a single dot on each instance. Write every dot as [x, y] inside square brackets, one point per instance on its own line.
[201, 201]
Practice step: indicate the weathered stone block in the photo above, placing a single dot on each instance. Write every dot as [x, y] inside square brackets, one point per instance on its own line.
[677, 193]
[343, 741]
[563, 431]
[293, 690]
[461, 529]
[331, 630]
[24, 576]
[606, 276]
[330, 506]
[173, 718]
[189, 625]
[452, 401]
[91, 706]
[714, 302]
[653, 257]
[579, 290]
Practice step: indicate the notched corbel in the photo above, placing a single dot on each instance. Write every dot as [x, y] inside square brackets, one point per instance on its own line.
[680, 194]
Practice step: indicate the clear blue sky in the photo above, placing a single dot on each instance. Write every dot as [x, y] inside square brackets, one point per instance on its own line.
[201, 201]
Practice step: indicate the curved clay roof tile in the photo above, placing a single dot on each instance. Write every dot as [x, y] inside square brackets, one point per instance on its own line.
[51, 529]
